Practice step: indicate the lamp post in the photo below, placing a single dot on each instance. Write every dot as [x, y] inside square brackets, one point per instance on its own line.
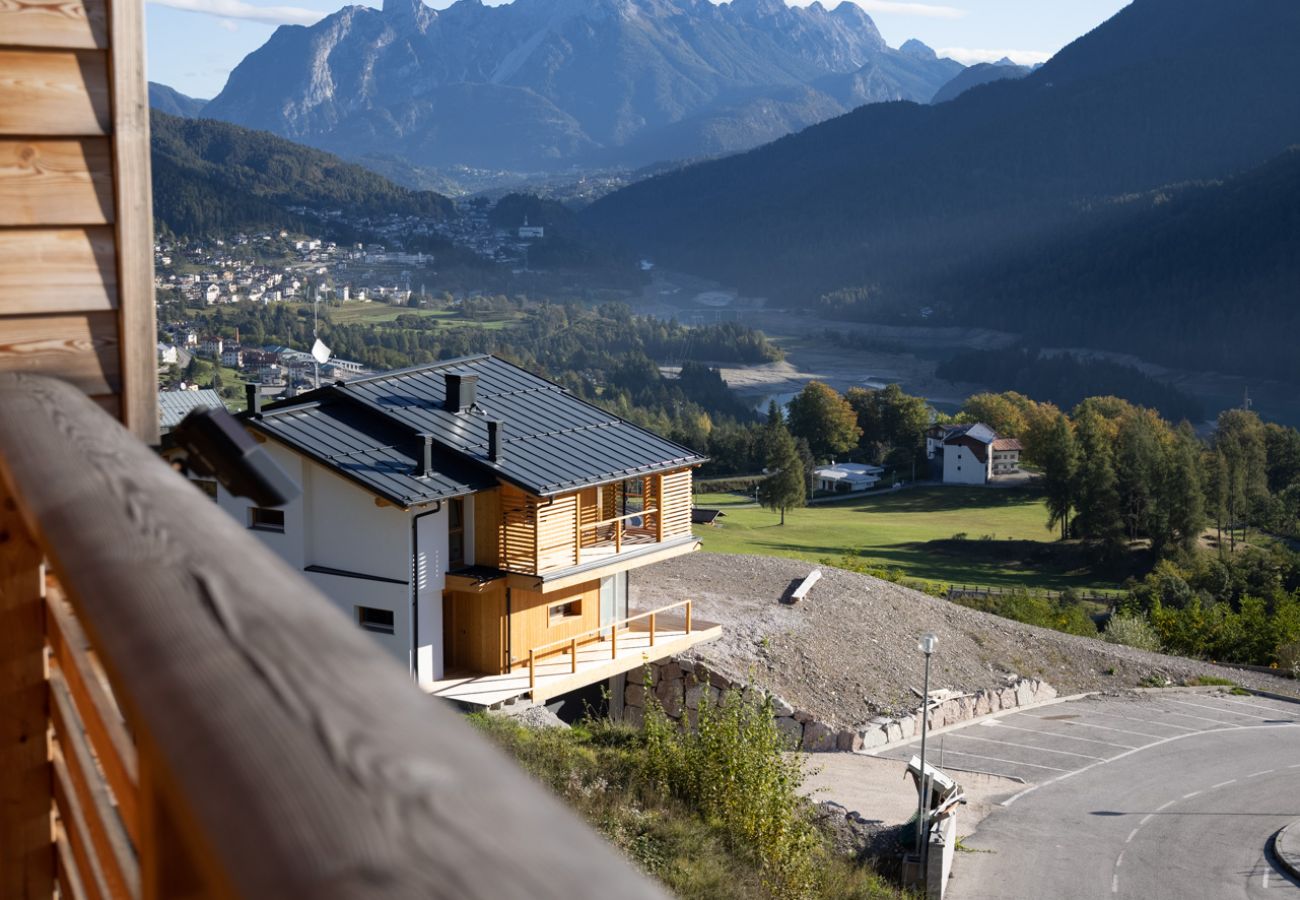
[926, 646]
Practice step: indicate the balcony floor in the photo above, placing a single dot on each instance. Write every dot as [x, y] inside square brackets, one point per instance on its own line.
[555, 675]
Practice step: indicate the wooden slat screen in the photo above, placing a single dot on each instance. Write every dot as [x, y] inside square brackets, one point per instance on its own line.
[76, 231]
[675, 504]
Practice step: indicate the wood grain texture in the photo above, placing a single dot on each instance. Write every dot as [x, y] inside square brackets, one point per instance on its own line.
[78, 836]
[297, 759]
[26, 787]
[81, 349]
[133, 205]
[97, 712]
[49, 270]
[54, 92]
[77, 24]
[55, 182]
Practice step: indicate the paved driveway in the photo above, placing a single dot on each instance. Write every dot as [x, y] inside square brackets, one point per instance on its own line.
[1169, 795]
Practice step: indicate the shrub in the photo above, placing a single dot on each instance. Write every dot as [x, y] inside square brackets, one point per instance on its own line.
[1132, 631]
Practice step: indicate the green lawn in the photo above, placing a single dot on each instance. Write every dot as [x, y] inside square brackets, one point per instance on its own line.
[1007, 543]
[383, 313]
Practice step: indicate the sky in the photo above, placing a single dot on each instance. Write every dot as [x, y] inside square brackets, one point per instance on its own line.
[193, 44]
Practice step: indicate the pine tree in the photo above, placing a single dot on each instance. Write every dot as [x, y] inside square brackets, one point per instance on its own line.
[784, 487]
[1060, 462]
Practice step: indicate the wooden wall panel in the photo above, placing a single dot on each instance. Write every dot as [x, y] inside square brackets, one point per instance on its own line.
[57, 270]
[80, 349]
[530, 621]
[54, 92]
[59, 182]
[487, 527]
[78, 24]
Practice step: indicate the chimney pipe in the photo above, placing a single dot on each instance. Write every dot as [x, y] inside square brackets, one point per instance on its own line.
[496, 437]
[426, 458]
[461, 389]
[254, 395]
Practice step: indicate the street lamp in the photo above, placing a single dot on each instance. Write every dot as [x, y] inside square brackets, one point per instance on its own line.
[926, 645]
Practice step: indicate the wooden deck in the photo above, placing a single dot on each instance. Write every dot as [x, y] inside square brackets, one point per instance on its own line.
[555, 673]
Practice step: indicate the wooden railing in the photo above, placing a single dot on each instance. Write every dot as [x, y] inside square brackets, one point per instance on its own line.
[617, 530]
[572, 643]
[182, 715]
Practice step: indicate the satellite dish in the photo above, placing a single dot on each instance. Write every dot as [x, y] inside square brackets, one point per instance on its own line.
[320, 352]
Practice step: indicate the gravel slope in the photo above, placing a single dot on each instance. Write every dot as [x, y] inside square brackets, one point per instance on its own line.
[848, 652]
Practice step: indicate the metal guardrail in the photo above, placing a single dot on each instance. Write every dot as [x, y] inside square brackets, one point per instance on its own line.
[219, 728]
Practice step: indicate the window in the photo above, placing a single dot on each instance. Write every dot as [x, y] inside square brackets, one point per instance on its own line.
[455, 534]
[562, 612]
[260, 519]
[380, 621]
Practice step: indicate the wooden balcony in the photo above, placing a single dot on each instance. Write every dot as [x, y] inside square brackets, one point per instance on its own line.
[559, 667]
[182, 715]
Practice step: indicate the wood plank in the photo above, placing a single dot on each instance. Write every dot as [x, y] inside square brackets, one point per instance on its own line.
[80, 349]
[79, 24]
[87, 866]
[138, 325]
[54, 92]
[49, 270]
[98, 713]
[55, 182]
[296, 759]
[113, 850]
[69, 878]
[26, 789]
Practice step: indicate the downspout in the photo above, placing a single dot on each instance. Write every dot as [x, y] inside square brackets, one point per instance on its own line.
[415, 588]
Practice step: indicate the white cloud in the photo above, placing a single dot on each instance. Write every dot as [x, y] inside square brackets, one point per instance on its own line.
[239, 9]
[970, 55]
[228, 24]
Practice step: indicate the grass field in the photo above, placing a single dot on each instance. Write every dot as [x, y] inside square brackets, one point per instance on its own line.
[1006, 542]
[382, 313]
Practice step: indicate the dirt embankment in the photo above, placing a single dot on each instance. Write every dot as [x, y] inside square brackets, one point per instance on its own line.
[849, 652]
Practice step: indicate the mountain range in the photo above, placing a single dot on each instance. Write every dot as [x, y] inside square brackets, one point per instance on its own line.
[886, 207]
[544, 85]
[983, 73]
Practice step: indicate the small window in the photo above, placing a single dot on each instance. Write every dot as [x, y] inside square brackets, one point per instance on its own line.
[379, 621]
[260, 519]
[562, 612]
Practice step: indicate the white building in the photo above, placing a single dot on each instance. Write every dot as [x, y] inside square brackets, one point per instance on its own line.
[845, 478]
[972, 454]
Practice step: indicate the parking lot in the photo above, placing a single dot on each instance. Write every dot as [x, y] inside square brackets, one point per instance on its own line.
[1043, 744]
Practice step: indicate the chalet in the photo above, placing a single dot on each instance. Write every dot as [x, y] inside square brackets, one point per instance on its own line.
[971, 453]
[845, 478]
[481, 524]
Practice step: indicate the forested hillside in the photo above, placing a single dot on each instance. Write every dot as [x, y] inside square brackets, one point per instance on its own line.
[904, 199]
[213, 177]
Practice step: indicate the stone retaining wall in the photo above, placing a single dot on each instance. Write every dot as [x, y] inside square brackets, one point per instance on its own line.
[680, 684]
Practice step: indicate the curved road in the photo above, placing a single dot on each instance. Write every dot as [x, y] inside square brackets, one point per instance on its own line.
[1187, 816]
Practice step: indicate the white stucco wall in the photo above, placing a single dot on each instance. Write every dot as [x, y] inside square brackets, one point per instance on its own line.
[960, 466]
[430, 576]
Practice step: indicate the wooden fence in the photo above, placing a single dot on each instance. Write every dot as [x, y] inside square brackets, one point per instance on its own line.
[182, 715]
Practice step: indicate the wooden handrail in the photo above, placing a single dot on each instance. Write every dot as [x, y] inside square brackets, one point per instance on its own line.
[609, 626]
[278, 751]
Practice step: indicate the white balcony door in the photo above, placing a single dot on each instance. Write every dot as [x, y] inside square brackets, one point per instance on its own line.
[613, 598]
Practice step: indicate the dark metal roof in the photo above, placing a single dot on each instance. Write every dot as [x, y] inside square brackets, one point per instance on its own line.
[553, 442]
[374, 453]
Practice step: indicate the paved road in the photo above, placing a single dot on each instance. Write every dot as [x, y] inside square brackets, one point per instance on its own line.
[1164, 796]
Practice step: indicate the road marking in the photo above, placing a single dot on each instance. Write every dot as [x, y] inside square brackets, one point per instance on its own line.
[1169, 740]
[1296, 766]
[1160, 808]
[1263, 706]
[1070, 737]
[1215, 787]
[1114, 884]
[1174, 712]
[1185, 796]
[1265, 875]
[1010, 762]
[1146, 722]
[1252, 775]
[1128, 840]
[1147, 818]
[1219, 710]
[1119, 860]
[1107, 728]
[966, 737]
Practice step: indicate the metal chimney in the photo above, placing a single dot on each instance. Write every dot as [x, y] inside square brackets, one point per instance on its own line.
[496, 437]
[425, 469]
[461, 390]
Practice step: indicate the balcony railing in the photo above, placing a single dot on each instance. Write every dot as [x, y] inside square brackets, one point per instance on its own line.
[608, 631]
[182, 715]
